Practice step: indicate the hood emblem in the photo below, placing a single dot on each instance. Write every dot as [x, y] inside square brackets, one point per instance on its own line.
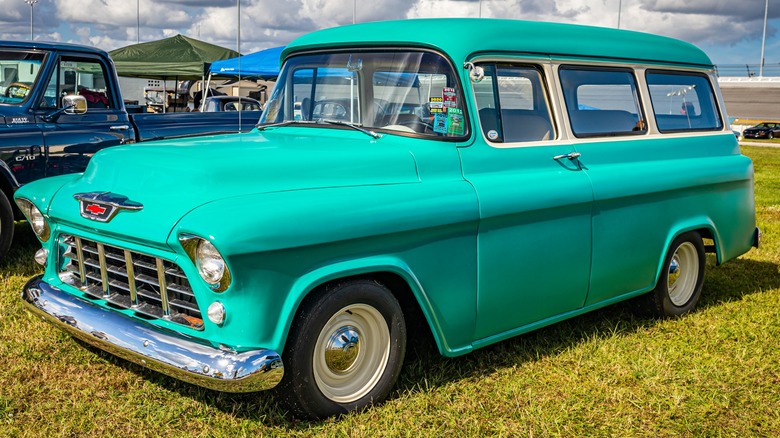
[103, 206]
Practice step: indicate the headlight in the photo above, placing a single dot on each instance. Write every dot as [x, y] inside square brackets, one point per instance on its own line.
[211, 266]
[34, 216]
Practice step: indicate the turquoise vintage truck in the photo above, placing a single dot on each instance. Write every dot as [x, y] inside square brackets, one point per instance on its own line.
[474, 178]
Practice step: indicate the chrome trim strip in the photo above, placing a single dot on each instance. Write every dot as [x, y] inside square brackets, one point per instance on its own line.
[174, 354]
[80, 254]
[166, 308]
[103, 269]
[131, 278]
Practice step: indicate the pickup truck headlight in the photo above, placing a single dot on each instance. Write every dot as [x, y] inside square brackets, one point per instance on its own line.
[36, 219]
[210, 263]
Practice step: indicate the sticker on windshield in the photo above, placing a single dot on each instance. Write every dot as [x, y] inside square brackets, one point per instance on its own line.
[455, 124]
[440, 123]
[436, 104]
[449, 98]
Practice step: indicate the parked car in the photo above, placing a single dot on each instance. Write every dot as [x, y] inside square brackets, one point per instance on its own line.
[61, 103]
[306, 254]
[762, 130]
[231, 103]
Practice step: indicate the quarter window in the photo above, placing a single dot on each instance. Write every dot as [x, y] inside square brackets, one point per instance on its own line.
[602, 102]
[683, 102]
[513, 105]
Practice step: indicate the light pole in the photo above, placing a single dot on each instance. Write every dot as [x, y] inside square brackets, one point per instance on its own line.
[354, 10]
[31, 3]
[763, 42]
[138, 21]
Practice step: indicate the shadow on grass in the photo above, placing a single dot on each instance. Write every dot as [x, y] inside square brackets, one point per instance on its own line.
[19, 260]
[425, 369]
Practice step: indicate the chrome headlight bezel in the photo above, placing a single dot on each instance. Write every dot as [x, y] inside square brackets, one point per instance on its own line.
[37, 220]
[210, 264]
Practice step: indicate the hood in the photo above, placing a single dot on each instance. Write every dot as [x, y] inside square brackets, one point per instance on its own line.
[170, 178]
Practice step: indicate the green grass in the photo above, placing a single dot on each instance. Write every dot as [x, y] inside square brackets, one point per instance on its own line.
[715, 372]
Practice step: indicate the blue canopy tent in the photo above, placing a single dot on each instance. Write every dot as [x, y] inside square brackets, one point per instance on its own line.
[263, 65]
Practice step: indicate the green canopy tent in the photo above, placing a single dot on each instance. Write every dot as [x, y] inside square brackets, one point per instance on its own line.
[178, 57]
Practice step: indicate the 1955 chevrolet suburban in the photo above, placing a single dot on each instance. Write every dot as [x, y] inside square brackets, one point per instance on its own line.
[490, 176]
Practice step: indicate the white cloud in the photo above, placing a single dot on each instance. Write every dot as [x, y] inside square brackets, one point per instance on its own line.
[723, 25]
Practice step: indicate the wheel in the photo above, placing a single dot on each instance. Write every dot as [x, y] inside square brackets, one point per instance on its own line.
[344, 351]
[6, 225]
[679, 286]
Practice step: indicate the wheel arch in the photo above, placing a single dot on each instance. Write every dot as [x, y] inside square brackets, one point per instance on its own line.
[9, 185]
[706, 230]
[391, 272]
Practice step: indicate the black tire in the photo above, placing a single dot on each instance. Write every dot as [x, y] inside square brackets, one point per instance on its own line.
[6, 225]
[679, 286]
[344, 351]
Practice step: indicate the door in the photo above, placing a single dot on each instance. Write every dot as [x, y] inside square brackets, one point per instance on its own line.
[72, 139]
[534, 241]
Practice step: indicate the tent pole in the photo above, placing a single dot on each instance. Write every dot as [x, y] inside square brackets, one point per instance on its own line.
[204, 93]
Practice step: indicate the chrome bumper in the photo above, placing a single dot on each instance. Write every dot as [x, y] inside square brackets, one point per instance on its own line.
[162, 350]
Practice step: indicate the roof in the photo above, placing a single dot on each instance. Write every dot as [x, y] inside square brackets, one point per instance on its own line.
[462, 38]
[38, 45]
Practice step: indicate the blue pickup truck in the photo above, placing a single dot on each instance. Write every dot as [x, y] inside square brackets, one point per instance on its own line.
[61, 103]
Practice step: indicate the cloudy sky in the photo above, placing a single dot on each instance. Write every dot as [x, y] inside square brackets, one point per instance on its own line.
[729, 31]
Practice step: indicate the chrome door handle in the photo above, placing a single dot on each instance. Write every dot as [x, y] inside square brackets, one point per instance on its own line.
[571, 156]
[120, 128]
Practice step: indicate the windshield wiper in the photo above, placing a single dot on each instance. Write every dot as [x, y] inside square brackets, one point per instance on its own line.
[351, 125]
[285, 123]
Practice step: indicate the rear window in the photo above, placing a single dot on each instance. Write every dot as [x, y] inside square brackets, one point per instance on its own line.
[683, 101]
[602, 101]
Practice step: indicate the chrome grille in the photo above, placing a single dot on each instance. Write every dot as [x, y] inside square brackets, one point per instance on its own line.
[150, 286]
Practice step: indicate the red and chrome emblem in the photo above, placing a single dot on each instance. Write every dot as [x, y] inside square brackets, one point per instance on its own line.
[103, 206]
[95, 209]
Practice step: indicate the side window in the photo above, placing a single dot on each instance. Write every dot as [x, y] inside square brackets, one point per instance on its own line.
[85, 77]
[602, 101]
[683, 101]
[326, 93]
[512, 103]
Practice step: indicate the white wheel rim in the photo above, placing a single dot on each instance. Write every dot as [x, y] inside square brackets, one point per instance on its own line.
[683, 274]
[351, 353]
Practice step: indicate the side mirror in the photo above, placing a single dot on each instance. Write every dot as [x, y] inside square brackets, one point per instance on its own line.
[74, 104]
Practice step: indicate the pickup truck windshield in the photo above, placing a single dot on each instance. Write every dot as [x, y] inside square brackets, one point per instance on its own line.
[18, 74]
[408, 92]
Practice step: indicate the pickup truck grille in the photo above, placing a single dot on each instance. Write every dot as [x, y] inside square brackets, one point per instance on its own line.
[152, 287]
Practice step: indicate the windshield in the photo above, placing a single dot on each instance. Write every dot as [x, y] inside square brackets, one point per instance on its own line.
[407, 92]
[18, 73]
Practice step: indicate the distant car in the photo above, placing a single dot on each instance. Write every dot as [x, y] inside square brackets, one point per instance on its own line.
[762, 130]
[231, 103]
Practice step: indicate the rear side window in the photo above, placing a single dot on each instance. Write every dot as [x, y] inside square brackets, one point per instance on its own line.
[602, 102]
[682, 101]
[513, 105]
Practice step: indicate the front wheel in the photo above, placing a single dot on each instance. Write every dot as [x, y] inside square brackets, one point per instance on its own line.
[345, 350]
[682, 276]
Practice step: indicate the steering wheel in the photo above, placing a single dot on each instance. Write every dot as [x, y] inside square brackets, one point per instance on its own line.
[17, 90]
[417, 125]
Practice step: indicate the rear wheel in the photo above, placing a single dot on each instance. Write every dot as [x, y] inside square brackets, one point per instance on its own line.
[6, 225]
[345, 350]
[679, 286]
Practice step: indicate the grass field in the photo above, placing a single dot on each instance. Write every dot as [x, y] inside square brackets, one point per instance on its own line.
[715, 372]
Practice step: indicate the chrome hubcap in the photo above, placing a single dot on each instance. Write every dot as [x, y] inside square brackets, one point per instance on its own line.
[342, 350]
[683, 274]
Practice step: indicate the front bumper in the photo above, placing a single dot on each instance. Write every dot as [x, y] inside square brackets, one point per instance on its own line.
[166, 351]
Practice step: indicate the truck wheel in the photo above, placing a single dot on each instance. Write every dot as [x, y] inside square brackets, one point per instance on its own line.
[344, 351]
[679, 287]
[6, 225]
